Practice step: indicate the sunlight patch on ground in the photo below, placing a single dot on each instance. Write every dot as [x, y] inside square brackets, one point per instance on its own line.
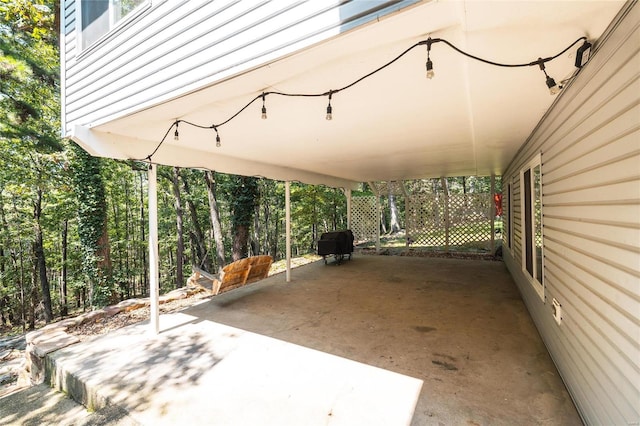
[198, 371]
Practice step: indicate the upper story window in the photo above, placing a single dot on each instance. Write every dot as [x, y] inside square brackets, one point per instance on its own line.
[98, 17]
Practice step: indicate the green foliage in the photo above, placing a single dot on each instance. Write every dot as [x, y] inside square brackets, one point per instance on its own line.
[90, 192]
[29, 88]
[104, 202]
[243, 197]
[92, 215]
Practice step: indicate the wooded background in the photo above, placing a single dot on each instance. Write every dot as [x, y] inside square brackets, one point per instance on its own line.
[73, 232]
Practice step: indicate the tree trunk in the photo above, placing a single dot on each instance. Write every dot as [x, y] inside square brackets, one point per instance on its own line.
[276, 235]
[245, 194]
[266, 216]
[255, 241]
[383, 221]
[215, 218]
[105, 268]
[127, 220]
[175, 180]
[40, 263]
[393, 209]
[200, 243]
[4, 302]
[92, 224]
[33, 299]
[240, 242]
[64, 310]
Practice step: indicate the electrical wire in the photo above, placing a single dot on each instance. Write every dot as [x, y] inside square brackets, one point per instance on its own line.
[498, 64]
[330, 93]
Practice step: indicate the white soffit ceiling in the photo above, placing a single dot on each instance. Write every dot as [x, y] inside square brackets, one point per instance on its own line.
[470, 119]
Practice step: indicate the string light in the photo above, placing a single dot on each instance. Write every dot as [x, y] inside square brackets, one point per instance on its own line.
[430, 72]
[581, 58]
[176, 135]
[551, 83]
[264, 108]
[218, 142]
[329, 109]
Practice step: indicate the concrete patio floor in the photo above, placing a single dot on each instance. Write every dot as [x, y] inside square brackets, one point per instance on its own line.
[377, 340]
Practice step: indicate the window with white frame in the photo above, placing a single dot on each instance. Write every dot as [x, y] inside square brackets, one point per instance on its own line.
[98, 17]
[531, 204]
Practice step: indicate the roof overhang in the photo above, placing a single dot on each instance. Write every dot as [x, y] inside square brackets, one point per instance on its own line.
[470, 119]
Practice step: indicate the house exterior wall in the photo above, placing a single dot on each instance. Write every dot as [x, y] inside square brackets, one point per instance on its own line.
[169, 48]
[589, 147]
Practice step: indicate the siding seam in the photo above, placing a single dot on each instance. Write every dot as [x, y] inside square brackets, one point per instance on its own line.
[618, 202]
[587, 337]
[630, 225]
[593, 291]
[612, 284]
[106, 71]
[586, 116]
[610, 141]
[537, 137]
[626, 247]
[594, 167]
[601, 184]
[158, 94]
[567, 345]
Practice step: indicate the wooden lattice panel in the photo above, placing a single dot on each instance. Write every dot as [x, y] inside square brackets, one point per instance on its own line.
[469, 219]
[425, 220]
[365, 221]
[390, 187]
[465, 220]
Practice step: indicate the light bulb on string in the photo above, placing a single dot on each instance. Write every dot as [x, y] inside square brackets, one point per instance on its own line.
[430, 72]
[264, 108]
[582, 57]
[554, 89]
[218, 142]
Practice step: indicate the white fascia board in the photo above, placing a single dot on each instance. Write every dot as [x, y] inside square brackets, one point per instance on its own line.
[121, 147]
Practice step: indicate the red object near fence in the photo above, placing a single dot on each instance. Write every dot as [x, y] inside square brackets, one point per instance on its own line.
[497, 199]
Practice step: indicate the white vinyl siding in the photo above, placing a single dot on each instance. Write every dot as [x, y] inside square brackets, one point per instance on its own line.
[591, 194]
[177, 47]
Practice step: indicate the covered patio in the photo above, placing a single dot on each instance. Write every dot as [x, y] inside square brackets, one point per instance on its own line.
[458, 332]
[376, 340]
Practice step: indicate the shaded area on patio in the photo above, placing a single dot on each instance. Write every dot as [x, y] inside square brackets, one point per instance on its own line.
[458, 325]
[449, 337]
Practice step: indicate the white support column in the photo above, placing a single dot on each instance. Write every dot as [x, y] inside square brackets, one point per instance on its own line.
[287, 210]
[378, 227]
[347, 193]
[376, 191]
[493, 214]
[154, 287]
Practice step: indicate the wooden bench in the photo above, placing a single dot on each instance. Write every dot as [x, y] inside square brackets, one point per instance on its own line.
[234, 275]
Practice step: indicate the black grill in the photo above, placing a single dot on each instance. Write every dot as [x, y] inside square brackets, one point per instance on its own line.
[337, 244]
